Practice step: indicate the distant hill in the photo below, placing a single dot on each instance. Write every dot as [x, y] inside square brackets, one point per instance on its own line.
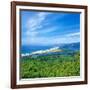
[71, 46]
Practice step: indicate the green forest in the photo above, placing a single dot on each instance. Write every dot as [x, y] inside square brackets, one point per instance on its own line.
[50, 66]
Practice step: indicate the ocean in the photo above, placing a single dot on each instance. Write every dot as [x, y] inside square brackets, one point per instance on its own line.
[70, 47]
[30, 49]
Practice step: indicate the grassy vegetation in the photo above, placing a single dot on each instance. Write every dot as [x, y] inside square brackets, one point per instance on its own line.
[50, 66]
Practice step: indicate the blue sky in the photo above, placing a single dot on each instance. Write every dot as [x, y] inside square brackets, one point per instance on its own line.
[49, 28]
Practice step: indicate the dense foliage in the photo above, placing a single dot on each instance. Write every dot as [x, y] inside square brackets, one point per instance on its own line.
[50, 66]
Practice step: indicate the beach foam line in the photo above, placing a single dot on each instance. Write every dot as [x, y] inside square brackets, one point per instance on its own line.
[41, 51]
[26, 54]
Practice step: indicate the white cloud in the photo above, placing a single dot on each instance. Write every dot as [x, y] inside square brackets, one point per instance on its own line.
[73, 34]
[35, 21]
[55, 40]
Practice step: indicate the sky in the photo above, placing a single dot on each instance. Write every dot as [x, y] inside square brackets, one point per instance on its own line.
[49, 28]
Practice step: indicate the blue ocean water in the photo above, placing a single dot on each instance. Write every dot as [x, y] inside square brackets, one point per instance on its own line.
[29, 49]
[69, 47]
